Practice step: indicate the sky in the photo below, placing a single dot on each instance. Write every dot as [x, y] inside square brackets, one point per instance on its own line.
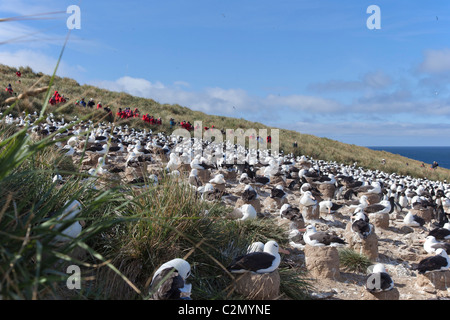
[316, 67]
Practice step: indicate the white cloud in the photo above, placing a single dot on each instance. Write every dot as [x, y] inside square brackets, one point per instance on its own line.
[39, 62]
[436, 61]
[370, 80]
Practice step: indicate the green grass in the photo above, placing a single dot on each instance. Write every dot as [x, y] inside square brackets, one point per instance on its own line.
[353, 261]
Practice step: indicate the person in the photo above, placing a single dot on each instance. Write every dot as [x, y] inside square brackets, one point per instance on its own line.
[434, 165]
[18, 73]
[295, 145]
[269, 139]
[383, 161]
[171, 122]
[422, 165]
[82, 102]
[91, 103]
[99, 105]
[9, 89]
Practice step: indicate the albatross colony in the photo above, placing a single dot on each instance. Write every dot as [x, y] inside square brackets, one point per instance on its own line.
[269, 180]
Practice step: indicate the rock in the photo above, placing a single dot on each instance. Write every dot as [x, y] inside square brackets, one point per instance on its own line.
[204, 175]
[372, 197]
[256, 286]
[277, 180]
[393, 294]
[185, 167]
[220, 187]
[426, 214]
[310, 213]
[238, 190]
[327, 190]
[322, 262]
[407, 255]
[406, 230]
[367, 247]
[380, 220]
[323, 295]
[274, 204]
[229, 175]
[440, 280]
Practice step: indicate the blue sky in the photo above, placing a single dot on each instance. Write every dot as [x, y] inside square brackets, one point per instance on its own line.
[309, 66]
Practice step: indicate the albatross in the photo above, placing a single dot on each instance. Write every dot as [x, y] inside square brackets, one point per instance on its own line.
[320, 238]
[441, 233]
[361, 226]
[431, 245]
[174, 274]
[259, 262]
[438, 262]
[379, 280]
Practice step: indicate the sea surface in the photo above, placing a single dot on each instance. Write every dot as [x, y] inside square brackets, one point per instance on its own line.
[425, 154]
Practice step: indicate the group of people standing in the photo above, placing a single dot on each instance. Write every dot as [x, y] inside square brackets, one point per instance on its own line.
[57, 98]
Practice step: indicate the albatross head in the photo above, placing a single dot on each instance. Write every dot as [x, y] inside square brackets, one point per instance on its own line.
[379, 267]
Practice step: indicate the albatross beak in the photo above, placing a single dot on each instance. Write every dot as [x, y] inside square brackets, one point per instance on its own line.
[283, 251]
[302, 230]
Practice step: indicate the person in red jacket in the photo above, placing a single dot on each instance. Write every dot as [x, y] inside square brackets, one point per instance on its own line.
[9, 89]
[18, 73]
[99, 105]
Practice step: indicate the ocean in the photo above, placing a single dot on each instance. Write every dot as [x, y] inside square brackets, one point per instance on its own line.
[425, 154]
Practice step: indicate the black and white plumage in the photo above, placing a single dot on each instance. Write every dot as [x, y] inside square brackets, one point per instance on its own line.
[277, 192]
[259, 262]
[431, 245]
[320, 238]
[439, 262]
[384, 206]
[249, 193]
[361, 226]
[441, 233]
[176, 272]
[379, 280]
[257, 246]
[412, 220]
[244, 178]
[261, 180]
[69, 214]
[329, 206]
[292, 213]
[193, 179]
[308, 199]
[357, 213]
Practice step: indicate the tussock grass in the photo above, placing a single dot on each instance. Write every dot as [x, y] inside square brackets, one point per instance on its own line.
[353, 261]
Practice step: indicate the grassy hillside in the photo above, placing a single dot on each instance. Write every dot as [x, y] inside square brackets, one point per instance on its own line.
[318, 148]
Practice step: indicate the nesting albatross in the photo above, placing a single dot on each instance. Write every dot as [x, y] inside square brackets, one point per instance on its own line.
[259, 262]
[320, 238]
